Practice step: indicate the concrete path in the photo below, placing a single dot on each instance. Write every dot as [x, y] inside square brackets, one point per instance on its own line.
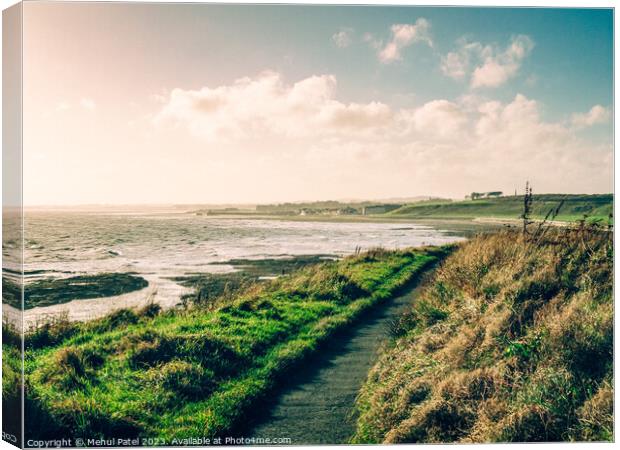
[315, 406]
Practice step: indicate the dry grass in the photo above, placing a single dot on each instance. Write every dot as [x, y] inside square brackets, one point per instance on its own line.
[512, 341]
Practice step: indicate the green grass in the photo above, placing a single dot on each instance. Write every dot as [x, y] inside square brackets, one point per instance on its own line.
[511, 341]
[575, 206]
[274, 266]
[213, 289]
[198, 372]
[11, 385]
[55, 291]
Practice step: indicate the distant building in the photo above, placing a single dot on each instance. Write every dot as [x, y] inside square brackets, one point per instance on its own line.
[379, 209]
[327, 211]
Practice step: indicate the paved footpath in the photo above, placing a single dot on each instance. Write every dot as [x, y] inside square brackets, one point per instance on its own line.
[315, 406]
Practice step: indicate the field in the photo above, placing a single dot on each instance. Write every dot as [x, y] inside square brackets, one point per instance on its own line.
[511, 341]
[197, 371]
[574, 208]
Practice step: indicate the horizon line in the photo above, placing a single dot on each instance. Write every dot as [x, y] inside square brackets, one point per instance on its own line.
[277, 202]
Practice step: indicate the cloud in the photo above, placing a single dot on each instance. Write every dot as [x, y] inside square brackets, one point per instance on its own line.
[343, 38]
[251, 107]
[442, 145]
[266, 105]
[441, 117]
[87, 103]
[404, 35]
[486, 65]
[499, 67]
[597, 114]
[457, 64]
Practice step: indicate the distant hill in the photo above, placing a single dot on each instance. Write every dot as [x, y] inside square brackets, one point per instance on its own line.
[575, 206]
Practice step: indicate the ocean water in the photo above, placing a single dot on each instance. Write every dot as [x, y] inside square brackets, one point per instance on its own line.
[159, 246]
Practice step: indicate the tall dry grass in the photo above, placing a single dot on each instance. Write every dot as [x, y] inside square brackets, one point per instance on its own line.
[511, 341]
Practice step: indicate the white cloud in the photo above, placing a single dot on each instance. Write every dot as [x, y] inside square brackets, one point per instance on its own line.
[343, 38]
[457, 64]
[436, 119]
[498, 67]
[486, 65]
[441, 116]
[597, 114]
[266, 105]
[88, 103]
[404, 35]
[441, 145]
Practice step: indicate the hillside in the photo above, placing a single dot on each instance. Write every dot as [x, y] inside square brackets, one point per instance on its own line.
[575, 206]
[511, 341]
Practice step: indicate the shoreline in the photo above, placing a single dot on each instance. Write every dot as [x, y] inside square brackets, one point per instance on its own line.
[165, 282]
[166, 293]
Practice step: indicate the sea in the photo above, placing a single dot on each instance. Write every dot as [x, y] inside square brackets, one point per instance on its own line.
[162, 245]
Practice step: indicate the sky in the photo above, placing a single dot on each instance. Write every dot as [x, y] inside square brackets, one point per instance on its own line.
[182, 103]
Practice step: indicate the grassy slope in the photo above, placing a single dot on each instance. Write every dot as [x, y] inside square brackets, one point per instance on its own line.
[198, 372]
[512, 341]
[575, 206]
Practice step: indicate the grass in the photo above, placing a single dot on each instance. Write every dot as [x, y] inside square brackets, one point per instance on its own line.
[210, 290]
[63, 290]
[275, 266]
[213, 289]
[198, 372]
[575, 207]
[511, 341]
[11, 385]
